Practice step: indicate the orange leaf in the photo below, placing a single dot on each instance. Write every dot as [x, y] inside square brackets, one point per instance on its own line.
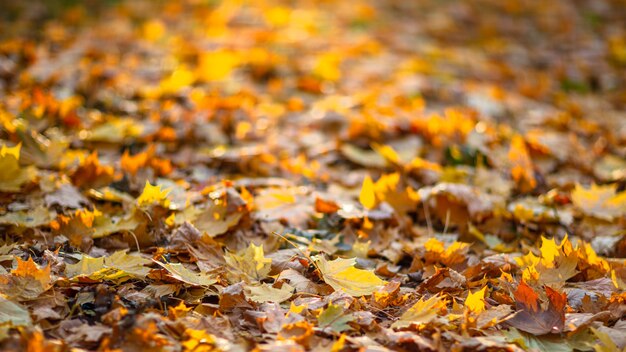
[522, 166]
[527, 296]
[28, 268]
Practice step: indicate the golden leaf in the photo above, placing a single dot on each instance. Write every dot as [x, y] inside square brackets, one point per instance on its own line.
[422, 312]
[249, 264]
[343, 276]
[181, 273]
[153, 195]
[476, 301]
[367, 197]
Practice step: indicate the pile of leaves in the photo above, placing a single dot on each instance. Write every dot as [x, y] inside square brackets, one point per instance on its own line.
[313, 175]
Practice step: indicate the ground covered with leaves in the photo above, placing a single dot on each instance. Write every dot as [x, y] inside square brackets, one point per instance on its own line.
[313, 175]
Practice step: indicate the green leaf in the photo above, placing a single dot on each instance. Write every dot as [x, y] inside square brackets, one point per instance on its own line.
[334, 318]
[13, 313]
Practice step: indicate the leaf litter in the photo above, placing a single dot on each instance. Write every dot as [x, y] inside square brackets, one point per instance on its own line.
[312, 175]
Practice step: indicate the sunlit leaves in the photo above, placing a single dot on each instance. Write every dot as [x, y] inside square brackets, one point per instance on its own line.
[343, 276]
[249, 264]
[475, 301]
[179, 272]
[310, 175]
[422, 312]
[118, 266]
[153, 194]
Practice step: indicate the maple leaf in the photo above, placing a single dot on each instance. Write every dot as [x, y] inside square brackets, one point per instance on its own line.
[557, 263]
[389, 188]
[132, 163]
[327, 66]
[78, 227]
[27, 281]
[91, 173]
[532, 318]
[152, 195]
[249, 264]
[343, 276]
[30, 269]
[201, 341]
[179, 272]
[422, 312]
[436, 252]
[475, 302]
[119, 266]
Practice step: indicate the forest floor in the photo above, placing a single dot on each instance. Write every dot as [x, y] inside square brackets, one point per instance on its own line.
[313, 175]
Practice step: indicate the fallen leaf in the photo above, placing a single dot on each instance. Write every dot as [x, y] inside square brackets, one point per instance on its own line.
[266, 293]
[422, 312]
[343, 276]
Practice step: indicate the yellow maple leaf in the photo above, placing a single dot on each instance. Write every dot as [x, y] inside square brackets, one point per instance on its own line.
[367, 197]
[390, 188]
[153, 195]
[179, 272]
[249, 264]
[476, 301]
[343, 276]
[557, 262]
[549, 250]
